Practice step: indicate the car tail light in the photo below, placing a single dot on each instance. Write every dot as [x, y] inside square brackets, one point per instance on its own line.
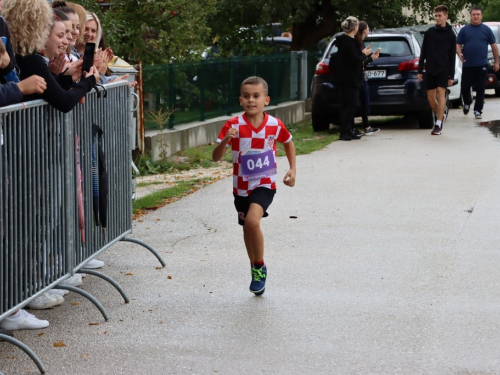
[490, 78]
[408, 65]
[322, 68]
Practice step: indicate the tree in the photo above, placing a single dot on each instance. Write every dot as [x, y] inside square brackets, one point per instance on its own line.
[155, 31]
[313, 20]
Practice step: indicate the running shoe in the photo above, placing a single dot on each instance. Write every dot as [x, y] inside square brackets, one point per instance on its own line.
[478, 115]
[258, 284]
[466, 109]
[371, 131]
[436, 130]
[23, 320]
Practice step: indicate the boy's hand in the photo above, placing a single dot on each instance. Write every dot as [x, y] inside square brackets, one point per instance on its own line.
[32, 85]
[289, 179]
[231, 133]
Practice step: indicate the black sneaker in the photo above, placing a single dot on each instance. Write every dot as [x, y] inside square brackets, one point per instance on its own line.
[371, 131]
[356, 131]
[478, 115]
[258, 284]
[436, 130]
[466, 109]
[344, 137]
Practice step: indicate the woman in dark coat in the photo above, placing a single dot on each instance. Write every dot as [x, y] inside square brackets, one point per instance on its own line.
[350, 80]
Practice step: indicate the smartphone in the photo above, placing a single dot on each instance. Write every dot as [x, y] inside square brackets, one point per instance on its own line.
[88, 58]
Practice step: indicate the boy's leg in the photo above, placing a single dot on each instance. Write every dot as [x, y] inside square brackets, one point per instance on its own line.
[432, 98]
[441, 103]
[254, 239]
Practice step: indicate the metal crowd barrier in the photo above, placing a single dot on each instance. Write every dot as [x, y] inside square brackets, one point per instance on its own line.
[50, 224]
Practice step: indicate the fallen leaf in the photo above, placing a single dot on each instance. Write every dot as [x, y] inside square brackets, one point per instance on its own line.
[129, 274]
[105, 332]
[59, 344]
[11, 357]
[158, 220]
[140, 221]
[94, 324]
[160, 322]
[169, 277]
[75, 303]
[158, 268]
[41, 334]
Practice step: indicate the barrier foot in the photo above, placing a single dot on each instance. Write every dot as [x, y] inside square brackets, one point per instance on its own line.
[108, 279]
[25, 349]
[89, 296]
[147, 247]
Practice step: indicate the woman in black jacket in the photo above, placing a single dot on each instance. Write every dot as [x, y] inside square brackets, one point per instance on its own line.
[350, 78]
[28, 22]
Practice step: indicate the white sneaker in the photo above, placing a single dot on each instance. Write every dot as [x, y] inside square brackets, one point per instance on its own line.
[45, 301]
[94, 263]
[59, 292]
[59, 298]
[22, 320]
[75, 280]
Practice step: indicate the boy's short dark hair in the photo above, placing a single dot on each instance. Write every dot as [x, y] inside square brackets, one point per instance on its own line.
[477, 8]
[255, 81]
[441, 8]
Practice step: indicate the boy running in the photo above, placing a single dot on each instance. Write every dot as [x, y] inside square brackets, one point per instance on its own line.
[438, 56]
[253, 138]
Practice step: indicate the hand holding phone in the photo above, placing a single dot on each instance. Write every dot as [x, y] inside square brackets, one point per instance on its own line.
[88, 58]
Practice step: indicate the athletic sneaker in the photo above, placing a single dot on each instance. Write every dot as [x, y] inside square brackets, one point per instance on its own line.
[478, 115]
[371, 131]
[93, 264]
[75, 280]
[45, 301]
[22, 320]
[466, 109]
[355, 131]
[59, 292]
[436, 130]
[258, 283]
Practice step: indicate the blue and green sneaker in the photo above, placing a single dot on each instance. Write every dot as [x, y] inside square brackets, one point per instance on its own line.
[258, 284]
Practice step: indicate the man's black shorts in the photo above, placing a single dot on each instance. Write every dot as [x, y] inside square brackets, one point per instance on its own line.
[262, 196]
[433, 81]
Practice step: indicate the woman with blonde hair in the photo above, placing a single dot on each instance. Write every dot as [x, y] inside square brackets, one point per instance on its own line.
[82, 17]
[29, 21]
[350, 77]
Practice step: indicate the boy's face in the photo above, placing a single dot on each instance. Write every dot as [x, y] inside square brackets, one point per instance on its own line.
[441, 18]
[253, 99]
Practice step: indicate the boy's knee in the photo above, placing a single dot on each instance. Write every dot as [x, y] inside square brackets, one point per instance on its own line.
[252, 222]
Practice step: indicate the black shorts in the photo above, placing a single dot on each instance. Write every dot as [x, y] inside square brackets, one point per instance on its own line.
[433, 81]
[262, 196]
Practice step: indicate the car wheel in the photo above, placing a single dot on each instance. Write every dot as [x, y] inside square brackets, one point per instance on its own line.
[319, 121]
[425, 119]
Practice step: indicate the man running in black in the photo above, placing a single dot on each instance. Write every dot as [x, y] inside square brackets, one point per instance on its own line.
[438, 58]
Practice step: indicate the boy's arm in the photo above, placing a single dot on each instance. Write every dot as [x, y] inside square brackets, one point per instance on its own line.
[289, 179]
[218, 151]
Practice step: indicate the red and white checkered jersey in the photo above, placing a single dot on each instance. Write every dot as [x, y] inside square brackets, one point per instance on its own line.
[248, 137]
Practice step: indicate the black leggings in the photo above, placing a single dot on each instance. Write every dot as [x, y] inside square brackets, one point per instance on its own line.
[349, 98]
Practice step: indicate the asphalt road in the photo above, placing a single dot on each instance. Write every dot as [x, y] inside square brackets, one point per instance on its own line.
[390, 267]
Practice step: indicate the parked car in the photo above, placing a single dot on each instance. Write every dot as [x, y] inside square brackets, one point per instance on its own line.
[454, 94]
[392, 80]
[493, 78]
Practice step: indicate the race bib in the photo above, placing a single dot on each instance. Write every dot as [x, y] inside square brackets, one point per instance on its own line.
[257, 164]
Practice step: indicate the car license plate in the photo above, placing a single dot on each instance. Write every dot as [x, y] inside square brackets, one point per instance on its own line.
[375, 74]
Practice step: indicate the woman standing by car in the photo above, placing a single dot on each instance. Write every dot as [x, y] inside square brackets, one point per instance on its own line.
[363, 31]
[350, 77]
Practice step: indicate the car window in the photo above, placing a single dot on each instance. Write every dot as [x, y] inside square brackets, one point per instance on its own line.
[494, 28]
[390, 47]
[419, 37]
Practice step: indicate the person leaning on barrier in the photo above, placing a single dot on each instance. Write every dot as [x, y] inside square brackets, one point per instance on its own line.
[28, 21]
[74, 32]
[11, 92]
